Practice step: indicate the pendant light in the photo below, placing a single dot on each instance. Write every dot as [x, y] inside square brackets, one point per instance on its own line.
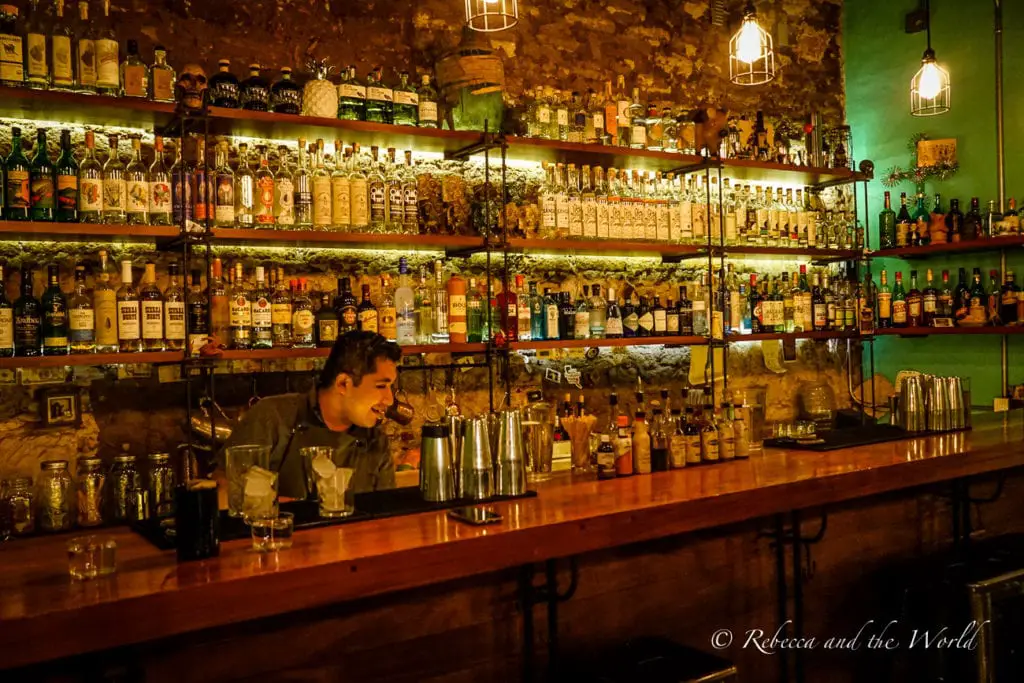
[929, 88]
[492, 15]
[751, 55]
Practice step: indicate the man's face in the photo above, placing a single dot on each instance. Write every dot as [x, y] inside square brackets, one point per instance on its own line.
[364, 404]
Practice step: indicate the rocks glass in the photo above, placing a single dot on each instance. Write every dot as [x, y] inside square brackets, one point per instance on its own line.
[238, 461]
[333, 485]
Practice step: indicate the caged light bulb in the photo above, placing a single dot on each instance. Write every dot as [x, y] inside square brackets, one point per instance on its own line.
[749, 47]
[930, 81]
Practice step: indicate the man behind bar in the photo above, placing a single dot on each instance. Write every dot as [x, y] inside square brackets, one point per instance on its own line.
[341, 412]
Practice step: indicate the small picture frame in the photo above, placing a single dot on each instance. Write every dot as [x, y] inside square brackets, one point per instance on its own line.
[934, 152]
[61, 408]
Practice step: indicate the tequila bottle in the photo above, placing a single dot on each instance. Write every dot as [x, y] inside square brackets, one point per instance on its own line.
[341, 190]
[424, 302]
[395, 206]
[284, 192]
[405, 305]
[114, 188]
[62, 59]
[254, 92]
[387, 317]
[427, 115]
[224, 188]
[285, 94]
[439, 297]
[410, 195]
[263, 192]
[136, 187]
[85, 51]
[159, 186]
[321, 190]
[129, 332]
[574, 205]
[174, 310]
[377, 188]
[303, 192]
[223, 89]
[359, 193]
[108, 78]
[151, 311]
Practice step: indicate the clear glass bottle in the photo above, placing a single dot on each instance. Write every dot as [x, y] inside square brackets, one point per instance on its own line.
[161, 77]
[427, 114]
[90, 484]
[262, 317]
[159, 187]
[85, 51]
[224, 188]
[62, 58]
[284, 192]
[81, 317]
[134, 73]
[108, 77]
[197, 313]
[359, 192]
[320, 186]
[114, 187]
[37, 70]
[174, 310]
[410, 196]
[439, 296]
[129, 332]
[151, 307]
[303, 319]
[137, 190]
[341, 190]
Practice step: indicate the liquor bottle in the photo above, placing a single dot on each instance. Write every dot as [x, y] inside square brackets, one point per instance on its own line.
[108, 80]
[302, 190]
[181, 188]
[630, 318]
[726, 436]
[884, 302]
[173, 310]
[641, 439]
[973, 226]
[550, 313]
[114, 187]
[994, 296]
[340, 190]
[240, 312]
[919, 229]
[427, 116]
[55, 316]
[284, 192]
[90, 184]
[538, 315]
[320, 187]
[161, 77]
[220, 306]
[709, 435]
[285, 94]
[423, 299]
[605, 459]
[995, 221]
[62, 61]
[366, 313]
[405, 306]
[819, 307]
[303, 319]
[962, 299]
[740, 431]
[410, 193]
[1009, 299]
[945, 305]
[659, 434]
[198, 314]
[345, 306]
[263, 192]
[104, 300]
[376, 185]
[224, 188]
[351, 97]
[158, 188]
[28, 319]
[281, 313]
[597, 313]
[904, 223]
[645, 319]
[81, 320]
[41, 173]
[85, 51]
[954, 222]
[1010, 221]
[129, 332]
[887, 225]
[566, 315]
[151, 305]
[200, 175]
[134, 73]
[326, 323]
[978, 300]
[899, 303]
[929, 300]
[613, 327]
[457, 310]
[261, 312]
[379, 98]
[18, 204]
[254, 92]
[474, 313]
[223, 89]
[137, 192]
[406, 102]
[359, 193]
[67, 182]
[394, 206]
[774, 314]
[387, 315]
[915, 313]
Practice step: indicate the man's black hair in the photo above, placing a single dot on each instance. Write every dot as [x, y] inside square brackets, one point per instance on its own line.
[356, 355]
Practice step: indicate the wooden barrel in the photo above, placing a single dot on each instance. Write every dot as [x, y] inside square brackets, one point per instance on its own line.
[473, 65]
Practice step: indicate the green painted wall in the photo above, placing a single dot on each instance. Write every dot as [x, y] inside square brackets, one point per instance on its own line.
[880, 60]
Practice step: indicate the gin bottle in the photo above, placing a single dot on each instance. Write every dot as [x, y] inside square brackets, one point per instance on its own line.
[406, 102]
[351, 97]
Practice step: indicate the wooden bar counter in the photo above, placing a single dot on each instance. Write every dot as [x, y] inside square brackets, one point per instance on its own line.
[44, 616]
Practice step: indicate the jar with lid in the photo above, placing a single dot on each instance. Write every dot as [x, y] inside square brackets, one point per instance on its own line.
[54, 503]
[20, 502]
[161, 484]
[124, 478]
[90, 491]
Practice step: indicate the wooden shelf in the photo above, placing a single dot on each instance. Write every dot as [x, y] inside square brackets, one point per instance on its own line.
[590, 343]
[928, 331]
[990, 244]
[343, 240]
[280, 354]
[783, 336]
[84, 110]
[603, 248]
[768, 172]
[92, 359]
[815, 254]
[82, 232]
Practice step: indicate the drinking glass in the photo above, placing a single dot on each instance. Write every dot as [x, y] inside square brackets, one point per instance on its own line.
[90, 557]
[259, 495]
[238, 460]
[274, 533]
[308, 455]
[754, 400]
[334, 486]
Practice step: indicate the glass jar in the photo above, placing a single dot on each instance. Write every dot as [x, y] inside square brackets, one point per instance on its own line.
[89, 491]
[21, 509]
[54, 504]
[124, 478]
[161, 484]
[538, 436]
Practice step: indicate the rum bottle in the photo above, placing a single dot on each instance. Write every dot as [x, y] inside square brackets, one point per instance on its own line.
[220, 307]
[366, 314]
[240, 313]
[262, 316]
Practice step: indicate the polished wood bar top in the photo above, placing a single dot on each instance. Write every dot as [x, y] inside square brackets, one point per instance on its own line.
[44, 615]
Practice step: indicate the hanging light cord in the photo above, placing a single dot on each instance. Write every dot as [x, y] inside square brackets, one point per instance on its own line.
[928, 23]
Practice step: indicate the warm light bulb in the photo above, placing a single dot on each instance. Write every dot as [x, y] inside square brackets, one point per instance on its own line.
[749, 48]
[930, 83]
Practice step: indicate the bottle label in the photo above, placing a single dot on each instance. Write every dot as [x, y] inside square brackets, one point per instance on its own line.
[128, 320]
[152, 319]
[885, 305]
[302, 323]
[352, 91]
[360, 204]
[86, 62]
[672, 322]
[562, 116]
[575, 209]
[613, 326]
[709, 446]
[163, 86]
[661, 321]
[67, 192]
[281, 314]
[35, 45]
[159, 197]
[262, 318]
[551, 315]
[349, 317]
[412, 215]
[138, 196]
[19, 195]
[773, 313]
[899, 312]
[42, 192]
[547, 211]
[341, 195]
[914, 308]
[387, 322]
[105, 305]
[406, 97]
[322, 200]
[265, 205]
[135, 81]
[26, 331]
[581, 326]
[820, 316]
[61, 57]
[638, 136]
[287, 99]
[107, 75]
[561, 212]
[368, 321]
[428, 112]
[113, 194]
[284, 201]
[174, 320]
[727, 443]
[327, 330]
[646, 321]
[82, 324]
[379, 94]
[544, 115]
[240, 312]
[396, 203]
[11, 62]
[602, 219]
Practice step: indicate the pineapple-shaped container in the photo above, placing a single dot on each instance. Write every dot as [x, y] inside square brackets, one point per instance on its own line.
[320, 96]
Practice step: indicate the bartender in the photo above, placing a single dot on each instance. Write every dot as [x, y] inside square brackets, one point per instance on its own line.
[342, 412]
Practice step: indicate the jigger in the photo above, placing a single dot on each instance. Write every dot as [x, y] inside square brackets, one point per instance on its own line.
[476, 471]
[511, 455]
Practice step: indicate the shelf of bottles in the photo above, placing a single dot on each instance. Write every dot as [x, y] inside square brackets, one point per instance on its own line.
[77, 360]
[976, 245]
[920, 331]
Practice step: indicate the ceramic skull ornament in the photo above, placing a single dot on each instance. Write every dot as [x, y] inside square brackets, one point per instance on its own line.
[191, 87]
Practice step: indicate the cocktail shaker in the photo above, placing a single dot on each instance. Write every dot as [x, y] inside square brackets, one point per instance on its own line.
[437, 478]
[511, 455]
[958, 407]
[456, 426]
[937, 400]
[476, 470]
[912, 404]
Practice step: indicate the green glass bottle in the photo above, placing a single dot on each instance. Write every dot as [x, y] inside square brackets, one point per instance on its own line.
[887, 225]
[904, 223]
[16, 188]
[776, 297]
[55, 316]
[67, 182]
[919, 230]
[6, 320]
[899, 302]
[41, 173]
